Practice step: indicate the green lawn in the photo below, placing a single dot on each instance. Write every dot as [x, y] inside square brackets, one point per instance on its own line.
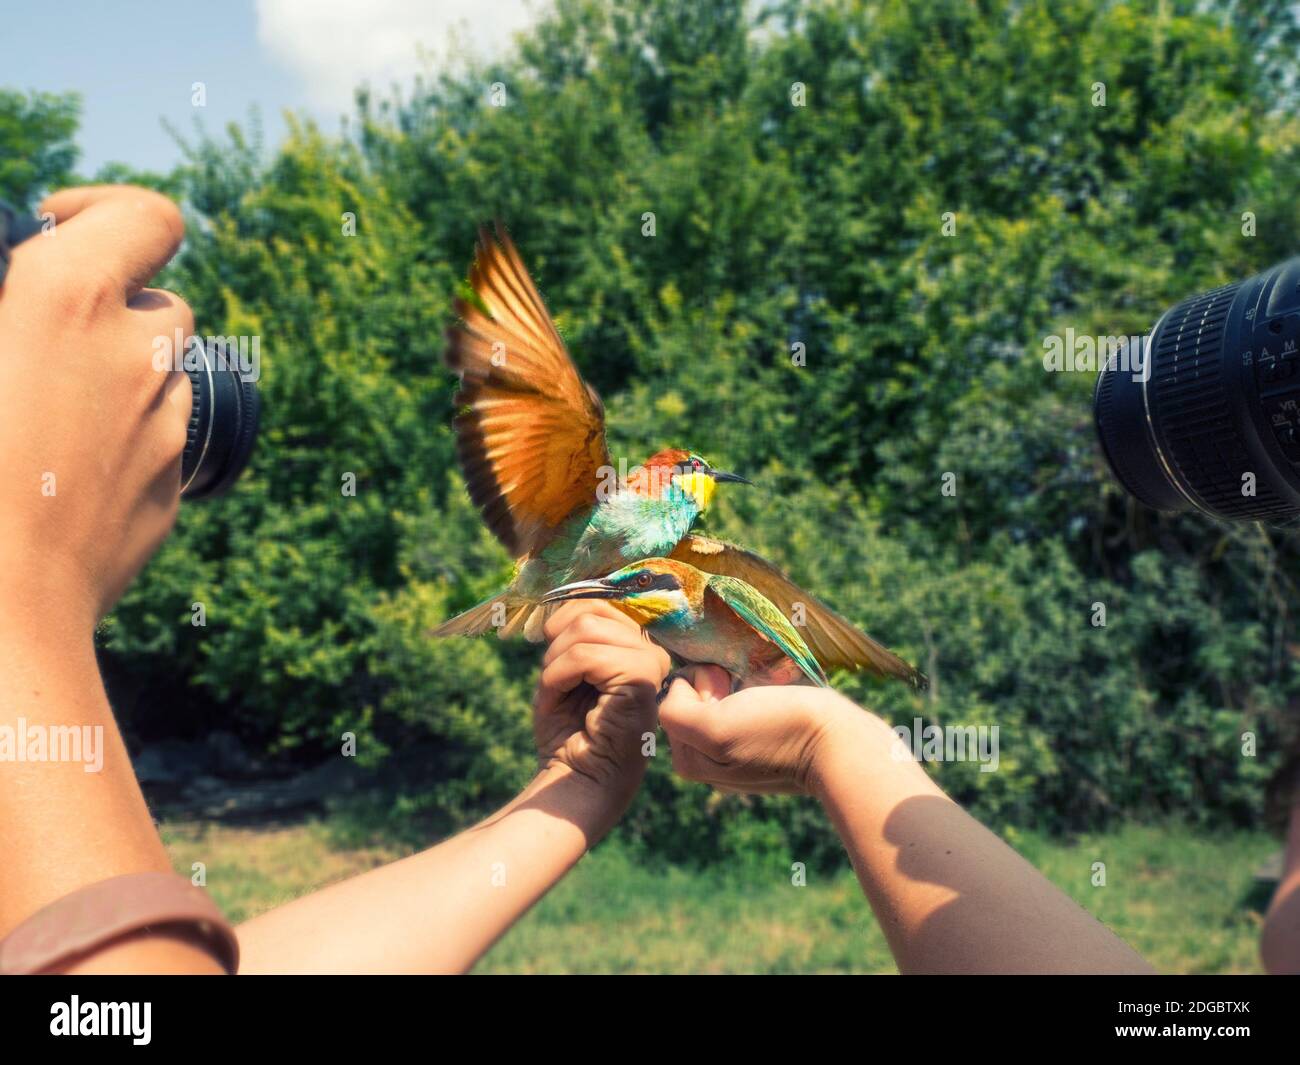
[1182, 898]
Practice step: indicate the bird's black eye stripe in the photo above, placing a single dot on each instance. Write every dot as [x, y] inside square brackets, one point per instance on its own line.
[665, 582]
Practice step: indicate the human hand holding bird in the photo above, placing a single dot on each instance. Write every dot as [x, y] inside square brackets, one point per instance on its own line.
[702, 617]
[596, 700]
[531, 440]
[766, 740]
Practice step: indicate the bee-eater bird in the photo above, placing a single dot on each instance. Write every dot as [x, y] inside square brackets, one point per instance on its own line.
[705, 618]
[530, 435]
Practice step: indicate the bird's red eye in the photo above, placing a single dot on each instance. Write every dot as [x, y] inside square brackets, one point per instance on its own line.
[643, 581]
[696, 463]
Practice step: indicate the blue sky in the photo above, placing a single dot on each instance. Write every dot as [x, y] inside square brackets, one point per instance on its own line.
[134, 61]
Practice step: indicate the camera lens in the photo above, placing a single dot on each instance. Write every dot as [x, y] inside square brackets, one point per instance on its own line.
[1207, 414]
[223, 425]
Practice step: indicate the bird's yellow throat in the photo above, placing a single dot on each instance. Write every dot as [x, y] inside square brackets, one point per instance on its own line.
[648, 607]
[699, 486]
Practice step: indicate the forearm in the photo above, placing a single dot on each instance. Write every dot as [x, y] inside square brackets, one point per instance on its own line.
[950, 896]
[71, 811]
[440, 910]
[1279, 943]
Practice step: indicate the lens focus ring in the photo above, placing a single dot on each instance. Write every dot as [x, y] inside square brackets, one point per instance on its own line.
[222, 430]
[1189, 402]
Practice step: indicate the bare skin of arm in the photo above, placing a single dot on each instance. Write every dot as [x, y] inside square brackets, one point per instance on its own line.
[950, 896]
[81, 403]
[440, 910]
[1279, 944]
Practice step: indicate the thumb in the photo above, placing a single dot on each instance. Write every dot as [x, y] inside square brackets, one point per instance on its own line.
[687, 710]
[711, 682]
[680, 700]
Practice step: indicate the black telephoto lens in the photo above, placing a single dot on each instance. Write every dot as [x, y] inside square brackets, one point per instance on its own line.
[1210, 418]
[223, 425]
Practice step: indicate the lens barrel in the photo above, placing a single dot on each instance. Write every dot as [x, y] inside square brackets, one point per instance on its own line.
[1210, 418]
[223, 424]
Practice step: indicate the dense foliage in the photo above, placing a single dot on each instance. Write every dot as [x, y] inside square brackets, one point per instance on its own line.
[779, 219]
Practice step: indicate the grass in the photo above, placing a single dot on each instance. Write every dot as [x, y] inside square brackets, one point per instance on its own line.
[1182, 898]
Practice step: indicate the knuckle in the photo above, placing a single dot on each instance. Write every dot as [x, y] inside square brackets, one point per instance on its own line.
[162, 210]
[588, 627]
[558, 621]
[78, 297]
[643, 690]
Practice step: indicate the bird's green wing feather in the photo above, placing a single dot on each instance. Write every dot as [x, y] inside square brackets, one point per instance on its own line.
[757, 611]
[836, 642]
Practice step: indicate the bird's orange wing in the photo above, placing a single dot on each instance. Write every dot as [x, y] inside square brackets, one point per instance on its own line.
[837, 643]
[531, 432]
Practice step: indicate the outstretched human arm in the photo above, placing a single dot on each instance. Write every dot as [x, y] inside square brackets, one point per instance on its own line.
[92, 437]
[440, 910]
[950, 896]
[1279, 942]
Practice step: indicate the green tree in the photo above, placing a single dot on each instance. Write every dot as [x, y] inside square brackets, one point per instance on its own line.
[36, 133]
[824, 245]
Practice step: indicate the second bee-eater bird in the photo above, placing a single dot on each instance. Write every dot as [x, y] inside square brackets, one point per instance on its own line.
[530, 436]
[705, 618]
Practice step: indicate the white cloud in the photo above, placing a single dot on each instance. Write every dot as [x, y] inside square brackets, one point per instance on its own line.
[335, 45]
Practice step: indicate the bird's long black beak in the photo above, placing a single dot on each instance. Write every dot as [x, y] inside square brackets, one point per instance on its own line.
[732, 478]
[581, 590]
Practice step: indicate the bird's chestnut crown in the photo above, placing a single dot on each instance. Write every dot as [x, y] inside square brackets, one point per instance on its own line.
[685, 470]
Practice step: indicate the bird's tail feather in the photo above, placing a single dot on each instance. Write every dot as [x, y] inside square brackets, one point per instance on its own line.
[536, 619]
[507, 612]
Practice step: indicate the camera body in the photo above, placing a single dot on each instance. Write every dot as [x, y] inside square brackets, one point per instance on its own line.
[226, 406]
[1212, 422]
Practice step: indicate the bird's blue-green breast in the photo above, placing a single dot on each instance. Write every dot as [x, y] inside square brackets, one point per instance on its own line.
[622, 529]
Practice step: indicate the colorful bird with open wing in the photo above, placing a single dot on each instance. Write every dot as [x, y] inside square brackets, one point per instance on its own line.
[530, 436]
